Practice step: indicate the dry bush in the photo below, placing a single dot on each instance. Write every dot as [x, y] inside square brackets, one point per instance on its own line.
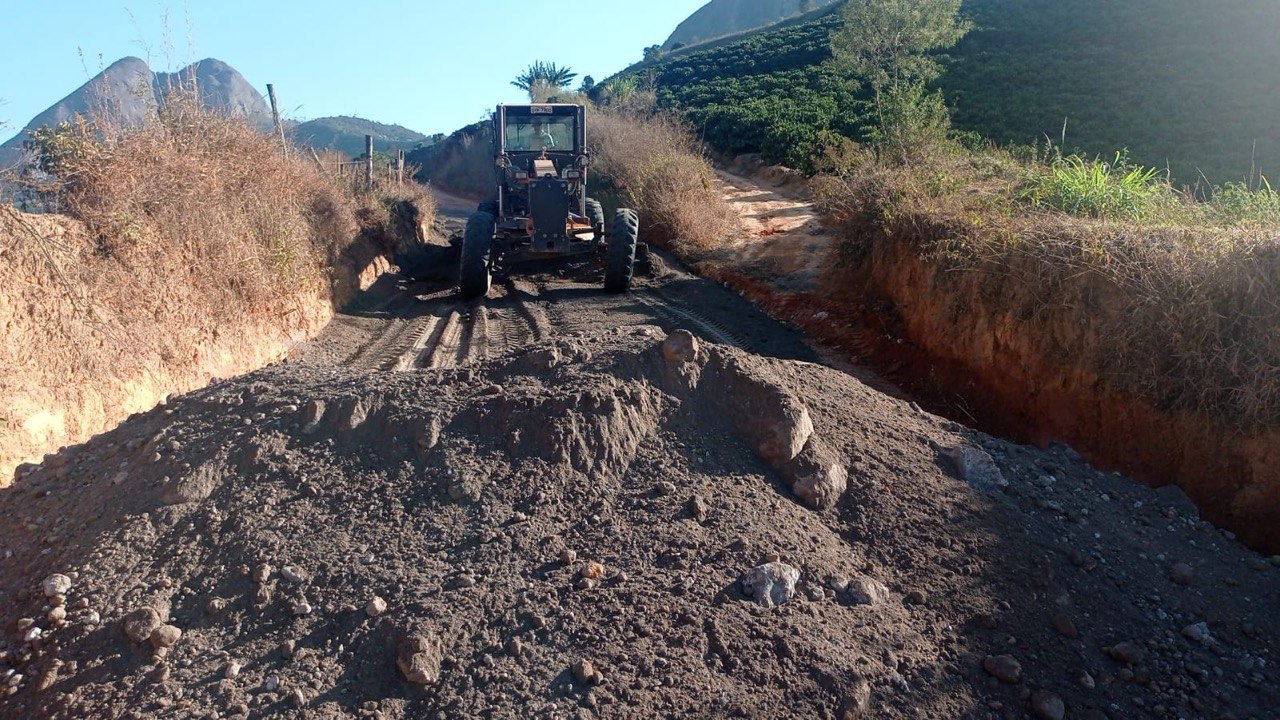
[1186, 316]
[649, 160]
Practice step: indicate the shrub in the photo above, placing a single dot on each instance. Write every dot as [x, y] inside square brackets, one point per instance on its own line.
[1098, 189]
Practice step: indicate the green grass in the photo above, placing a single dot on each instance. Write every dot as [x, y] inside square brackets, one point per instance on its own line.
[1098, 189]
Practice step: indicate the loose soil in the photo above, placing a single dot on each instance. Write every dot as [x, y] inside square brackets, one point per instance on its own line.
[545, 503]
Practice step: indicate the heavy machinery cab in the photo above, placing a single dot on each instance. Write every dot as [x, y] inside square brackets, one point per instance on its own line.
[542, 177]
[540, 207]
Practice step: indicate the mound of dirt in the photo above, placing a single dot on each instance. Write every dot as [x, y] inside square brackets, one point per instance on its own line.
[626, 524]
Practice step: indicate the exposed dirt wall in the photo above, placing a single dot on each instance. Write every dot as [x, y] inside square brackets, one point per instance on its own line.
[1036, 371]
[75, 360]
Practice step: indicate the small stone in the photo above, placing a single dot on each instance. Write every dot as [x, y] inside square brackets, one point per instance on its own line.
[465, 581]
[916, 597]
[1048, 706]
[56, 584]
[419, 659]
[663, 489]
[215, 606]
[867, 591]
[1064, 626]
[1004, 668]
[1127, 652]
[262, 573]
[297, 697]
[1086, 680]
[57, 616]
[165, 636]
[568, 557]
[592, 571]
[140, 623]
[1183, 574]
[376, 607]
[92, 618]
[32, 634]
[586, 673]
[58, 600]
[232, 670]
[771, 584]
[680, 347]
[698, 508]
[514, 647]
[1198, 632]
[301, 608]
[293, 574]
[857, 702]
[272, 683]
[286, 649]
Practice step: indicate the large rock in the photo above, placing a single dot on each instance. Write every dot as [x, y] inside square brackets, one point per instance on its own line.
[771, 584]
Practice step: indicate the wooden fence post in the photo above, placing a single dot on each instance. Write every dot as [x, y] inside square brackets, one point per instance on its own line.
[275, 116]
[368, 159]
[314, 156]
[400, 168]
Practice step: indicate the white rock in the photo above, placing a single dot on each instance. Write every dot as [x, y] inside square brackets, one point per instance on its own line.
[233, 670]
[1198, 632]
[33, 633]
[977, 467]
[302, 607]
[56, 585]
[771, 584]
[293, 574]
[376, 607]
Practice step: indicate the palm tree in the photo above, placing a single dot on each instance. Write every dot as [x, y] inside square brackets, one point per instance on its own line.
[542, 79]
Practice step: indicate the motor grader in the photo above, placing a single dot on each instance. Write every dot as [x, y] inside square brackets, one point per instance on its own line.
[540, 207]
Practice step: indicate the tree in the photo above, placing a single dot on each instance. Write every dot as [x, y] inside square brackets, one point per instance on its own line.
[653, 52]
[542, 79]
[887, 44]
[588, 84]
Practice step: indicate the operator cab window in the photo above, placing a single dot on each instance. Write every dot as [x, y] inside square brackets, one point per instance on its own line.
[532, 134]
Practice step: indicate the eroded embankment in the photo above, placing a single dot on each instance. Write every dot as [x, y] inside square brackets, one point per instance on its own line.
[89, 340]
[999, 342]
[1039, 373]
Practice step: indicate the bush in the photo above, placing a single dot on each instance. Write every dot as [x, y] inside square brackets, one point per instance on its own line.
[650, 161]
[1098, 189]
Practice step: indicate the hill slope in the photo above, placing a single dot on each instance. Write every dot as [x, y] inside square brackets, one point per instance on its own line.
[346, 134]
[1176, 82]
[726, 17]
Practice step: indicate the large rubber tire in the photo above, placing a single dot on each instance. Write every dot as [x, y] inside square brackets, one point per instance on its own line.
[620, 255]
[595, 214]
[477, 244]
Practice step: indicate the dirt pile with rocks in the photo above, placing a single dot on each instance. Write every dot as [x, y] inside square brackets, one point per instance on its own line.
[619, 524]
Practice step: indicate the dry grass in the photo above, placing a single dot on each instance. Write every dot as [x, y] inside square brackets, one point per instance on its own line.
[1182, 309]
[651, 161]
[193, 248]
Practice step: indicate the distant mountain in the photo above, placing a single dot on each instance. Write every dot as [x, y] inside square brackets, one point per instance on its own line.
[719, 18]
[346, 135]
[129, 91]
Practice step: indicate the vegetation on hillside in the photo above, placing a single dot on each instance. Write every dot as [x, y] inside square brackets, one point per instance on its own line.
[543, 79]
[1182, 85]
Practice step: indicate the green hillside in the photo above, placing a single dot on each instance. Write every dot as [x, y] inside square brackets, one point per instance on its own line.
[1187, 84]
[346, 135]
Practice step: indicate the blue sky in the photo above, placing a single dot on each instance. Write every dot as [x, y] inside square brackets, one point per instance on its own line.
[428, 65]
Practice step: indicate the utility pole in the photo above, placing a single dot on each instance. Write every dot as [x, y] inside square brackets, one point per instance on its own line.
[275, 116]
[368, 161]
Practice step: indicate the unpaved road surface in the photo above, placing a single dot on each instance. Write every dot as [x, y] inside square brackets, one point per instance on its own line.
[552, 503]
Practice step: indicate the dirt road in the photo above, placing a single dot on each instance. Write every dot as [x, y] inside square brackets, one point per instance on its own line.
[558, 503]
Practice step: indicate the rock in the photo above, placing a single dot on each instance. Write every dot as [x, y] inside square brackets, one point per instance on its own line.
[1127, 652]
[140, 623]
[57, 616]
[514, 647]
[976, 467]
[857, 702]
[592, 571]
[297, 697]
[165, 636]
[771, 584]
[286, 649]
[32, 634]
[92, 618]
[568, 557]
[697, 508]
[816, 475]
[272, 683]
[215, 606]
[419, 659]
[680, 347]
[1004, 668]
[1064, 626]
[917, 597]
[1183, 574]
[1048, 706]
[1198, 632]
[293, 574]
[376, 607]
[301, 608]
[867, 591]
[262, 573]
[772, 420]
[586, 673]
[56, 584]
[663, 489]
[232, 670]
[1086, 680]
